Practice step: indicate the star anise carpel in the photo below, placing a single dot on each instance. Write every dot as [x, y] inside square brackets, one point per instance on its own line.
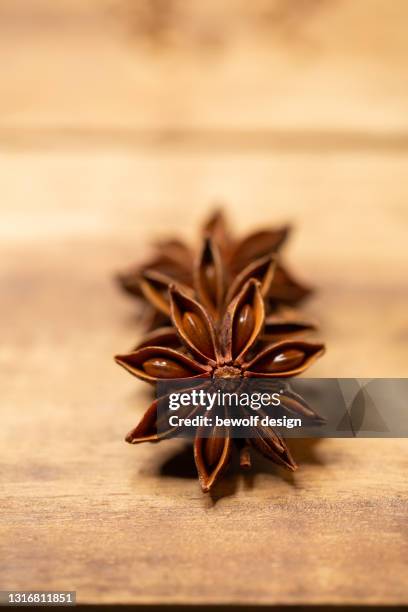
[219, 341]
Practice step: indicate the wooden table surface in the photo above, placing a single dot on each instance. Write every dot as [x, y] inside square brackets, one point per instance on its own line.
[106, 141]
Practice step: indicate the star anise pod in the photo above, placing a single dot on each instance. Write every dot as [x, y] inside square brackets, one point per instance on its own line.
[173, 263]
[229, 352]
[214, 287]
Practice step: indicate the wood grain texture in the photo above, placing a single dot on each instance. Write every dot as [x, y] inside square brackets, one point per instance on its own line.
[332, 65]
[81, 197]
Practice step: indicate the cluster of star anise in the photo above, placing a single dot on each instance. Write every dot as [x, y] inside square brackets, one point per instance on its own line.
[221, 314]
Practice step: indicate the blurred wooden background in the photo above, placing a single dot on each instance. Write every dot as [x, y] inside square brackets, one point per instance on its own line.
[124, 120]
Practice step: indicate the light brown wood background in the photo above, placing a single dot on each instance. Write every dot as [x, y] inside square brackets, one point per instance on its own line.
[118, 123]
